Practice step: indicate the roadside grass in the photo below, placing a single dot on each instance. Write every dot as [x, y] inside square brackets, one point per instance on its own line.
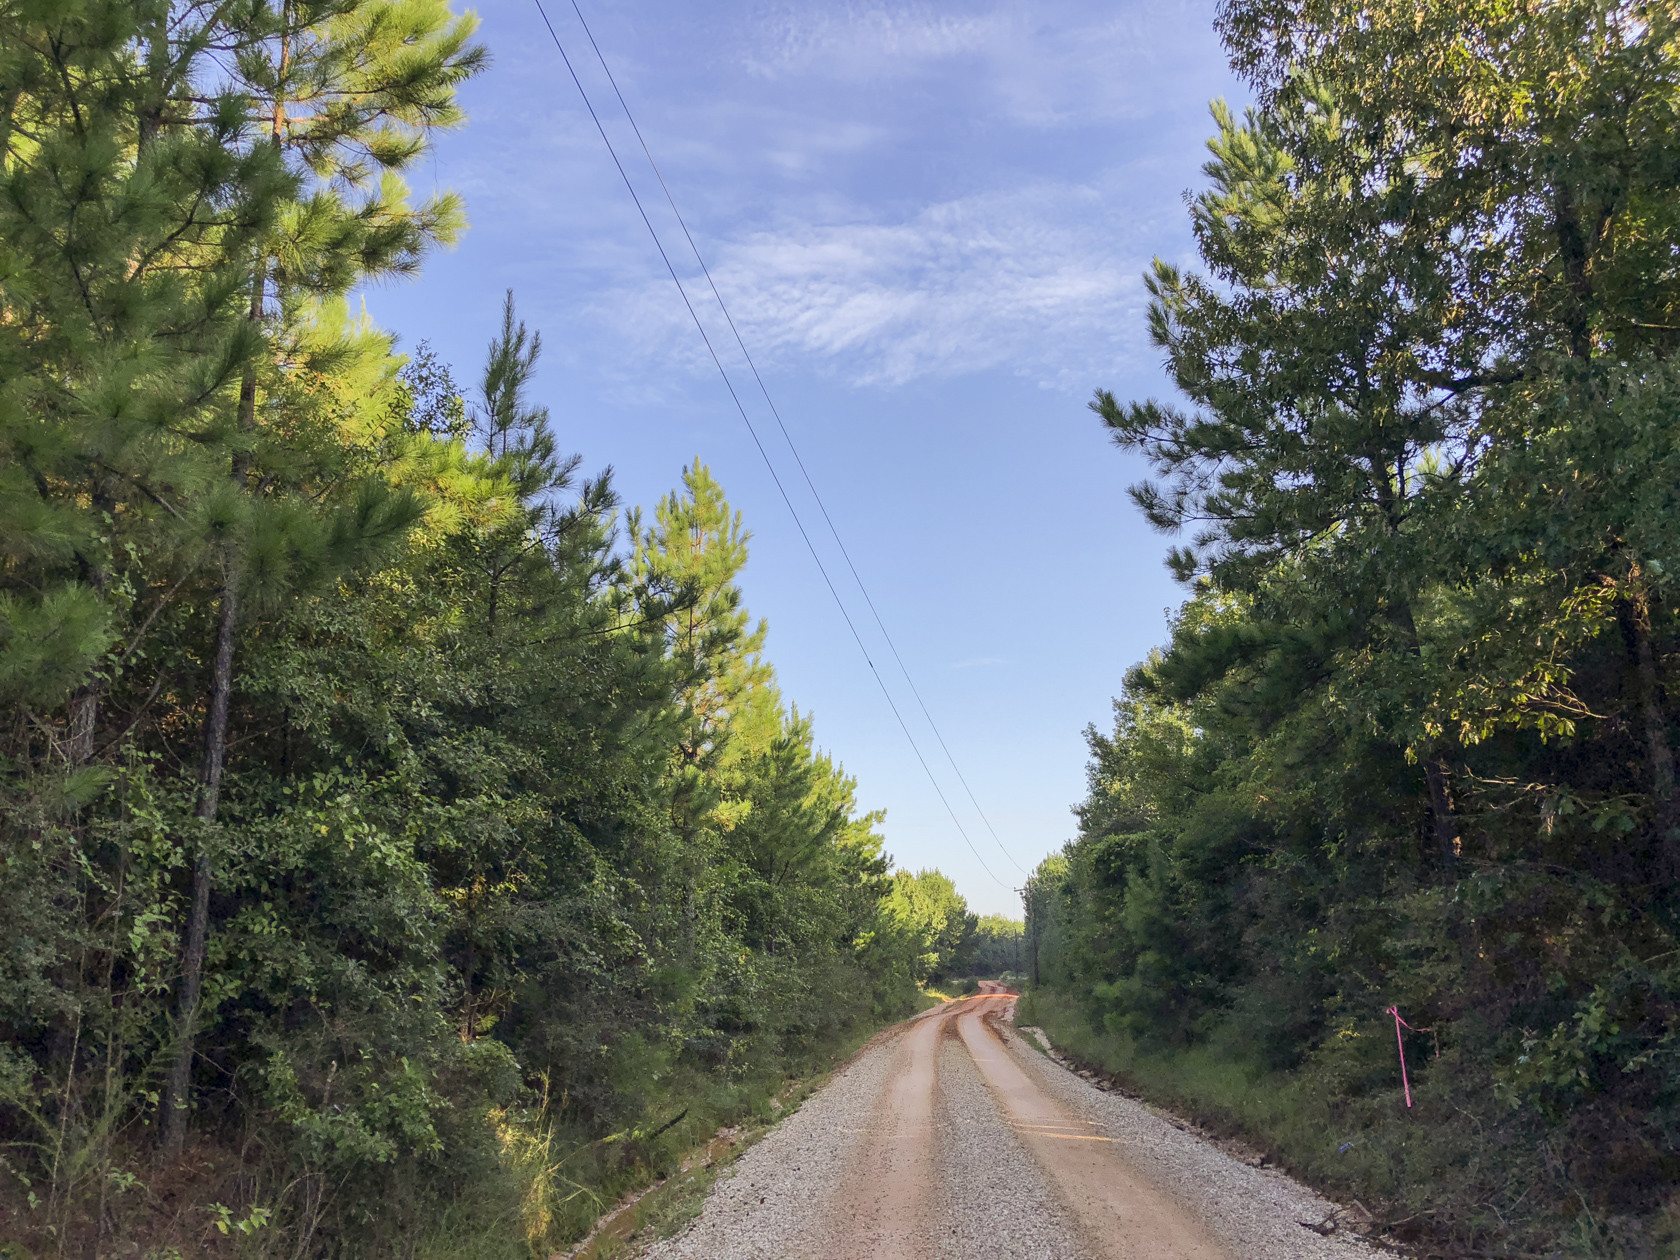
[1275, 1111]
[1236, 1097]
[554, 1184]
[534, 1185]
[1441, 1176]
[672, 1203]
[659, 1213]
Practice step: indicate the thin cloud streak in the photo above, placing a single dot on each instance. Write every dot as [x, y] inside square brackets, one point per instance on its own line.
[1048, 65]
[997, 252]
[1026, 280]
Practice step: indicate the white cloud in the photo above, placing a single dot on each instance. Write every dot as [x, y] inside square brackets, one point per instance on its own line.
[865, 40]
[1041, 280]
[1046, 64]
[895, 191]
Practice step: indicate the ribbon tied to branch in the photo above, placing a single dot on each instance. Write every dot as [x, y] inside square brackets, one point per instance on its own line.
[1400, 1041]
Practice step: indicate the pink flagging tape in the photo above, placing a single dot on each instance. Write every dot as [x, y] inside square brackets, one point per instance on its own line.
[1400, 1041]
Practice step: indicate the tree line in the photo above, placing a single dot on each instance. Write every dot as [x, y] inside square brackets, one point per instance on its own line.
[1408, 753]
[404, 847]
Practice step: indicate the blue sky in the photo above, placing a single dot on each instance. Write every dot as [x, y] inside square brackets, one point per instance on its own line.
[930, 223]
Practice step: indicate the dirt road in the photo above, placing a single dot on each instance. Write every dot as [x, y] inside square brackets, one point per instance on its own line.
[952, 1136]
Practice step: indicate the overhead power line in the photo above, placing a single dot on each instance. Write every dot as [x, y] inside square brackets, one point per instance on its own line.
[747, 420]
[788, 438]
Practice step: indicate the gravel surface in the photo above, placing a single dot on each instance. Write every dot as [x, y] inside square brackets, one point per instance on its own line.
[998, 1204]
[784, 1198]
[770, 1205]
[1255, 1212]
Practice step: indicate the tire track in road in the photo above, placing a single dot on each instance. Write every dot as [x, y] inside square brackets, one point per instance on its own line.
[879, 1210]
[1119, 1215]
[997, 1203]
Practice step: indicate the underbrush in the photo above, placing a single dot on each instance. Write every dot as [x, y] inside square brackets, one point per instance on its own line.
[1458, 1174]
[569, 1180]
[516, 1181]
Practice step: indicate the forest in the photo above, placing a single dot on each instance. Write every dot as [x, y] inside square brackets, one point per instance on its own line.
[406, 847]
[1398, 793]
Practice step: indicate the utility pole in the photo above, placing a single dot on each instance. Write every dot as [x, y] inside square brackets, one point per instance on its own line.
[1027, 900]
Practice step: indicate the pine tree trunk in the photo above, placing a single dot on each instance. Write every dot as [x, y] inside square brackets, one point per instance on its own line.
[84, 717]
[1435, 775]
[175, 1098]
[1575, 253]
[1447, 841]
[1634, 614]
[84, 703]
[198, 922]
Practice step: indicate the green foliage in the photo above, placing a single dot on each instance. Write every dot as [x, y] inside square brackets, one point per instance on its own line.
[370, 786]
[997, 946]
[933, 915]
[1410, 743]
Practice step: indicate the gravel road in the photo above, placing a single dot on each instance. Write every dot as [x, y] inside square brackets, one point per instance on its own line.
[949, 1136]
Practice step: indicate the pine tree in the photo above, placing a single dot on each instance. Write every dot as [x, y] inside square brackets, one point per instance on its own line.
[532, 578]
[348, 95]
[1315, 442]
[124, 253]
[1530, 158]
[929, 907]
[691, 555]
[424, 850]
